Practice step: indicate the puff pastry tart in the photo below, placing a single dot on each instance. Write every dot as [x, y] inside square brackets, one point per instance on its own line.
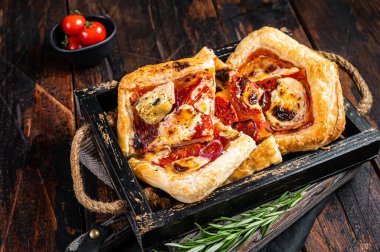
[238, 106]
[166, 104]
[301, 94]
[166, 123]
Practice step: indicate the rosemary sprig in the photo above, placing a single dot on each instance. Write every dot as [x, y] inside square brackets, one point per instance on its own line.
[225, 233]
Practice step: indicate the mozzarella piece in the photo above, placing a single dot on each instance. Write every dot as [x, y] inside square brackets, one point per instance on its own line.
[154, 105]
[179, 127]
[288, 104]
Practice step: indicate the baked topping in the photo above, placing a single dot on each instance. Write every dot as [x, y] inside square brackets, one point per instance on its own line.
[196, 155]
[289, 106]
[285, 97]
[154, 105]
[238, 106]
[174, 113]
[189, 163]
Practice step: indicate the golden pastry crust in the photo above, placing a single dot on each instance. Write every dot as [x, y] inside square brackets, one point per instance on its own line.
[152, 76]
[189, 187]
[265, 155]
[222, 70]
[323, 78]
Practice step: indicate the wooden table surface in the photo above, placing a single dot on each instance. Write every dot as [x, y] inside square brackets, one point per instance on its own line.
[38, 210]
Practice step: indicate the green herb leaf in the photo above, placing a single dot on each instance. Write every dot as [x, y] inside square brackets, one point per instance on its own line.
[225, 233]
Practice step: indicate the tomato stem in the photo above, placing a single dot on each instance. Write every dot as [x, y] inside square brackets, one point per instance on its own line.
[65, 42]
[77, 12]
[88, 24]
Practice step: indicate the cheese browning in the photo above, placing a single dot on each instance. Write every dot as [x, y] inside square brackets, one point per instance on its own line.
[178, 128]
[288, 104]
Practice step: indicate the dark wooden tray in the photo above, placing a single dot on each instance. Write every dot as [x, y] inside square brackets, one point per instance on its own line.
[151, 227]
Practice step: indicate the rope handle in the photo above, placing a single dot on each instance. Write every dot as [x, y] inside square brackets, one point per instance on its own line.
[366, 102]
[116, 207]
[119, 206]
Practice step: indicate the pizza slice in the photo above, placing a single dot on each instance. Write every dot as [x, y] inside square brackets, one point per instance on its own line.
[169, 104]
[302, 98]
[191, 172]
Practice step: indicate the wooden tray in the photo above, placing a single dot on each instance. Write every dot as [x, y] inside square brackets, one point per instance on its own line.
[151, 227]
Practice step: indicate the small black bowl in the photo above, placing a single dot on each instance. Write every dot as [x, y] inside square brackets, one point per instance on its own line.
[89, 55]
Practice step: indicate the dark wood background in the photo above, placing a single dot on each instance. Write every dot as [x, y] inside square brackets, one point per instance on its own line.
[38, 210]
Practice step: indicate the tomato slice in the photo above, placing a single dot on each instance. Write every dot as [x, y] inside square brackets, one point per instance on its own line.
[205, 124]
[247, 127]
[224, 111]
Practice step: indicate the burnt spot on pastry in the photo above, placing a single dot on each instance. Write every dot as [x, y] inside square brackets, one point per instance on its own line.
[283, 114]
[265, 100]
[156, 102]
[253, 98]
[171, 131]
[222, 74]
[270, 68]
[242, 82]
[137, 144]
[248, 127]
[218, 89]
[180, 168]
[178, 66]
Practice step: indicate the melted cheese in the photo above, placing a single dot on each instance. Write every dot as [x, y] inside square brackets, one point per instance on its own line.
[189, 164]
[179, 127]
[204, 103]
[251, 96]
[289, 96]
[261, 74]
[154, 105]
[226, 131]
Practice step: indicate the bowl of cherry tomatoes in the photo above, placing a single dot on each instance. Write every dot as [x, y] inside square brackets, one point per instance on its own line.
[83, 40]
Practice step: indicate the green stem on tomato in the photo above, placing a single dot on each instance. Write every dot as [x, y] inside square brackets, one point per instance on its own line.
[65, 42]
[88, 24]
[77, 12]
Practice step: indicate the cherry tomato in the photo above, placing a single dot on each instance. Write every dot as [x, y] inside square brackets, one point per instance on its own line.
[71, 43]
[93, 33]
[72, 24]
[74, 43]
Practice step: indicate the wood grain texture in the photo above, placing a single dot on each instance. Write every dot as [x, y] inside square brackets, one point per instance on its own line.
[37, 210]
[350, 29]
[327, 30]
[38, 118]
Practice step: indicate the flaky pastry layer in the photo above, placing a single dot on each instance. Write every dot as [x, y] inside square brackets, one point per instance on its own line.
[323, 78]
